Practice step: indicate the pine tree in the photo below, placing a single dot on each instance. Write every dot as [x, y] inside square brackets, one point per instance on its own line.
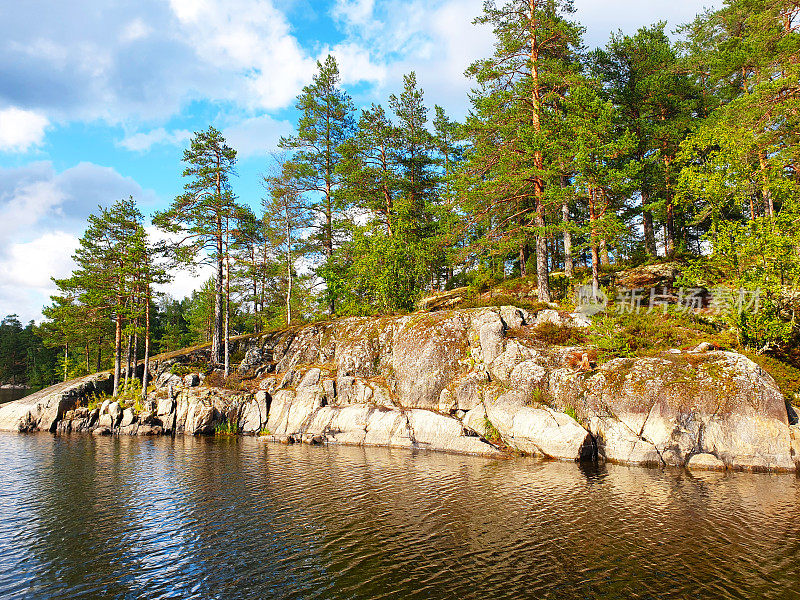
[286, 218]
[203, 216]
[643, 77]
[514, 124]
[326, 121]
[102, 285]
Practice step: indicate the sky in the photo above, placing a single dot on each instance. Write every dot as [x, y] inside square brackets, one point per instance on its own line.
[98, 99]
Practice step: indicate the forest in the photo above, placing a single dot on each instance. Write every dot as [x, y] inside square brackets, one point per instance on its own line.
[571, 163]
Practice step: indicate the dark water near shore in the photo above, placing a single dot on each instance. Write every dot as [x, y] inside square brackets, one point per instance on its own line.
[9, 394]
[83, 517]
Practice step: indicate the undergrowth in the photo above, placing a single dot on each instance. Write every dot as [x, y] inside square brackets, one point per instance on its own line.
[226, 428]
[532, 306]
[550, 334]
[490, 431]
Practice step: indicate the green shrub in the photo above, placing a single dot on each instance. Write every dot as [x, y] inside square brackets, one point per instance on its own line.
[550, 334]
[183, 369]
[226, 428]
[786, 376]
[532, 306]
[491, 432]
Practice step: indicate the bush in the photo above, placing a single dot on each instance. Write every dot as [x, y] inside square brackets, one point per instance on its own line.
[491, 432]
[231, 382]
[550, 334]
[532, 306]
[638, 334]
[786, 376]
[183, 369]
[226, 428]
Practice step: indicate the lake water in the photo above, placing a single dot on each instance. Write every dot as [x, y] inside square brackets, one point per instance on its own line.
[9, 394]
[84, 517]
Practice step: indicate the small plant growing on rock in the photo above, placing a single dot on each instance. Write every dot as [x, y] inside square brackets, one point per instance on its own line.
[490, 432]
[225, 428]
[550, 334]
[584, 360]
[538, 397]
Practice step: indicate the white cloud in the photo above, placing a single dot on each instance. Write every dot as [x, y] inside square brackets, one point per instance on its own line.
[20, 129]
[25, 271]
[251, 37]
[42, 214]
[356, 65]
[135, 30]
[140, 142]
[31, 264]
[437, 40]
[353, 12]
[603, 18]
[30, 203]
[257, 135]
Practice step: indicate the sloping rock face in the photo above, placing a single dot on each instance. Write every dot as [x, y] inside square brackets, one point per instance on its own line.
[369, 375]
[458, 381]
[666, 409]
[43, 410]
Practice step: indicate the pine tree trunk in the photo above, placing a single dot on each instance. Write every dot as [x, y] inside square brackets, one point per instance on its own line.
[649, 230]
[117, 350]
[289, 270]
[328, 242]
[670, 228]
[99, 364]
[128, 348]
[568, 263]
[543, 282]
[769, 207]
[135, 353]
[542, 274]
[146, 371]
[216, 334]
[604, 258]
[227, 316]
[66, 361]
[594, 246]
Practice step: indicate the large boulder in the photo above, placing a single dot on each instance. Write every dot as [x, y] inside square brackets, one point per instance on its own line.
[427, 355]
[44, 409]
[539, 430]
[200, 418]
[662, 410]
[255, 413]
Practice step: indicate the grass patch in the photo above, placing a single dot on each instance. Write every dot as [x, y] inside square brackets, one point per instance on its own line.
[226, 428]
[128, 396]
[786, 376]
[497, 301]
[550, 334]
[490, 432]
[184, 369]
[644, 334]
[233, 382]
[538, 397]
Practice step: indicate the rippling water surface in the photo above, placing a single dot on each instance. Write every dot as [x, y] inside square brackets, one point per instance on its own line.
[82, 517]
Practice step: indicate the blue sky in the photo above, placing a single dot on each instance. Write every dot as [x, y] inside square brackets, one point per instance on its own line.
[98, 98]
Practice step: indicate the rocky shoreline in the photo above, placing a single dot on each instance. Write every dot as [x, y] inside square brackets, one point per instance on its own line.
[466, 381]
